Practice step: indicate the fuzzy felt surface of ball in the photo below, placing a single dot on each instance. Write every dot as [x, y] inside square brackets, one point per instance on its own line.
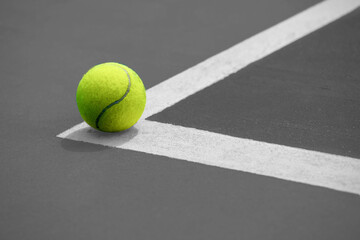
[111, 97]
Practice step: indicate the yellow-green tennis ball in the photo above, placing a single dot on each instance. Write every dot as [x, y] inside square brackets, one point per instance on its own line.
[111, 97]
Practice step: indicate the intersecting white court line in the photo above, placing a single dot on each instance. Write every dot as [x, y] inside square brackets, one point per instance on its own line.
[218, 67]
[310, 167]
[315, 168]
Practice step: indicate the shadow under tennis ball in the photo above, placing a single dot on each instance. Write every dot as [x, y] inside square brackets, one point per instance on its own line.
[76, 146]
[89, 139]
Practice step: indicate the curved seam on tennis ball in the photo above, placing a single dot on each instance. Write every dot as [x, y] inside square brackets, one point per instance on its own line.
[117, 101]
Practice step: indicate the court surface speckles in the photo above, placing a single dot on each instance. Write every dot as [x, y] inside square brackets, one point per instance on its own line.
[298, 97]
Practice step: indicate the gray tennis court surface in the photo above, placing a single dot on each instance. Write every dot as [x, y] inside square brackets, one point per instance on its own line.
[303, 96]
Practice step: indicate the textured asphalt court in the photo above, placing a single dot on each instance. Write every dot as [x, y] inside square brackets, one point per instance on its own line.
[55, 188]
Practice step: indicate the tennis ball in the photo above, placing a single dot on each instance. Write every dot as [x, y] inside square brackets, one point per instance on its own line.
[111, 97]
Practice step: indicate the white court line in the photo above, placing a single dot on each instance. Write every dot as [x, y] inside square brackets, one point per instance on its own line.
[320, 169]
[299, 165]
[216, 68]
